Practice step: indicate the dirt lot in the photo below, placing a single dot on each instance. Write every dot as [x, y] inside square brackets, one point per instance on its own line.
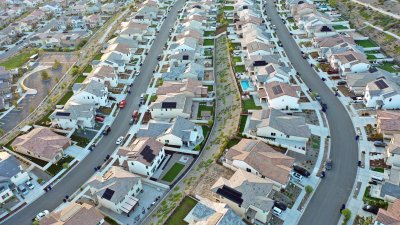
[61, 57]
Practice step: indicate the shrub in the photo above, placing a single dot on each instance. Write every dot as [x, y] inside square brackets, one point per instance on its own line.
[309, 189]
[346, 214]
[45, 75]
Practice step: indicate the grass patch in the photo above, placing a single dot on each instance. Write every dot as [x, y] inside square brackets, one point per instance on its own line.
[242, 123]
[56, 168]
[378, 169]
[339, 27]
[366, 43]
[81, 141]
[232, 142]
[228, 8]
[208, 42]
[373, 201]
[240, 69]
[153, 98]
[209, 33]
[173, 172]
[80, 79]
[181, 211]
[236, 59]
[204, 108]
[249, 104]
[290, 20]
[110, 221]
[88, 69]
[35, 160]
[388, 66]
[17, 60]
[65, 98]
[206, 130]
[210, 88]
[98, 56]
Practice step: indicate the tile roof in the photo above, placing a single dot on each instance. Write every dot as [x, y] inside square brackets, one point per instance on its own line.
[388, 120]
[391, 216]
[187, 85]
[268, 162]
[277, 89]
[137, 150]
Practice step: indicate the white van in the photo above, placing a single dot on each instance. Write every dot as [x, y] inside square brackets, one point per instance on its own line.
[377, 178]
[277, 211]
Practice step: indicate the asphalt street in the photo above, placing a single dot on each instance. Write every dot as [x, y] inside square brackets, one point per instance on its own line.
[85, 169]
[16, 48]
[335, 188]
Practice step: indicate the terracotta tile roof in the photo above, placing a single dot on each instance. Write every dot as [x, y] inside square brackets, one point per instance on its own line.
[190, 85]
[268, 162]
[42, 142]
[391, 216]
[388, 120]
[133, 152]
[328, 42]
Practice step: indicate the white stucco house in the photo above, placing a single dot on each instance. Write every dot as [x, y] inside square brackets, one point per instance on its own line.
[74, 115]
[349, 62]
[11, 170]
[393, 151]
[171, 105]
[382, 93]
[105, 75]
[270, 73]
[92, 92]
[143, 156]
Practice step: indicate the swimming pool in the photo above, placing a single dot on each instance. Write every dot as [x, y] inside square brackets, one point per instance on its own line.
[245, 85]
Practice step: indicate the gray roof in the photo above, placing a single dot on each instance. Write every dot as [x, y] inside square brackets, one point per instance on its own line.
[182, 128]
[114, 58]
[9, 167]
[154, 129]
[182, 102]
[131, 43]
[391, 89]
[390, 189]
[95, 88]
[289, 125]
[178, 72]
[75, 111]
[262, 58]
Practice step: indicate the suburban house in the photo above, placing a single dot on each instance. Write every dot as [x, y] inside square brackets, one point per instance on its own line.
[181, 133]
[191, 86]
[252, 63]
[280, 95]
[121, 49]
[42, 143]
[323, 44]
[382, 93]
[5, 87]
[117, 61]
[11, 171]
[302, 9]
[91, 92]
[349, 62]
[5, 192]
[388, 122]
[393, 151]
[357, 82]
[191, 70]
[116, 190]
[143, 156]
[291, 131]
[270, 73]
[183, 45]
[390, 216]
[256, 157]
[209, 212]
[74, 116]
[171, 105]
[74, 213]
[247, 194]
[105, 75]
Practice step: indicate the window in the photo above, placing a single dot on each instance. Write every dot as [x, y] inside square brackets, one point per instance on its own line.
[273, 134]
[248, 169]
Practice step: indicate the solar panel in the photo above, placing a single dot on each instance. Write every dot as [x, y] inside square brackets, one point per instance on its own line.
[185, 57]
[108, 193]
[350, 57]
[259, 63]
[168, 105]
[277, 89]
[63, 113]
[325, 29]
[147, 154]
[139, 17]
[270, 69]
[230, 194]
[381, 84]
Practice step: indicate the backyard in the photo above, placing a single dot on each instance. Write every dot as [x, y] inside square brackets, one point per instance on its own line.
[208, 42]
[203, 107]
[240, 69]
[339, 27]
[173, 172]
[65, 98]
[390, 67]
[366, 43]
[248, 104]
[243, 119]
[181, 211]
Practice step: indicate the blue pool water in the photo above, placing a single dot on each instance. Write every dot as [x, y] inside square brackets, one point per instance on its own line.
[245, 84]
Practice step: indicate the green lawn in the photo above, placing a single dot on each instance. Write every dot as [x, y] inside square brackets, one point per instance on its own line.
[388, 66]
[240, 69]
[173, 172]
[110, 221]
[366, 43]
[236, 59]
[208, 52]
[209, 88]
[98, 56]
[81, 141]
[228, 8]
[209, 33]
[45, 119]
[204, 108]
[232, 142]
[17, 60]
[243, 119]
[290, 20]
[55, 168]
[206, 130]
[88, 69]
[339, 27]
[181, 211]
[373, 201]
[80, 79]
[65, 98]
[249, 104]
[208, 42]
[370, 57]
[379, 169]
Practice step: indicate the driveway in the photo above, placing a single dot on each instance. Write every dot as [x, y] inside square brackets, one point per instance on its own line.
[334, 190]
[84, 170]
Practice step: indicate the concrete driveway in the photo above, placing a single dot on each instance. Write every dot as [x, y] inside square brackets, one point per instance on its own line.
[84, 170]
[334, 190]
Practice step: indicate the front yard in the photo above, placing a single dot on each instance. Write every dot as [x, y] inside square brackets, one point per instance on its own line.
[80, 141]
[173, 172]
[373, 201]
[61, 164]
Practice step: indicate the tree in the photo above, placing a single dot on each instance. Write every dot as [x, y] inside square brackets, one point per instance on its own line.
[65, 165]
[347, 215]
[56, 65]
[333, 3]
[75, 70]
[309, 189]
[45, 75]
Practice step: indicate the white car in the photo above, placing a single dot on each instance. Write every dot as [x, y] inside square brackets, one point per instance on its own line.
[42, 214]
[30, 185]
[296, 176]
[119, 140]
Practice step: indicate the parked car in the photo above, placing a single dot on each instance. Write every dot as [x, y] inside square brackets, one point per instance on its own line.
[342, 82]
[30, 185]
[131, 121]
[370, 208]
[280, 205]
[328, 164]
[135, 114]
[122, 104]
[320, 59]
[120, 140]
[42, 214]
[99, 119]
[112, 98]
[379, 144]
[373, 182]
[296, 176]
[22, 189]
[342, 207]
[277, 211]
[301, 171]
[107, 130]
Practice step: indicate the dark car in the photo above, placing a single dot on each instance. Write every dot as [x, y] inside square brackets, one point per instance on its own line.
[371, 209]
[342, 207]
[373, 182]
[301, 171]
[112, 98]
[280, 205]
[342, 82]
[380, 144]
[131, 121]
[328, 164]
[106, 130]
